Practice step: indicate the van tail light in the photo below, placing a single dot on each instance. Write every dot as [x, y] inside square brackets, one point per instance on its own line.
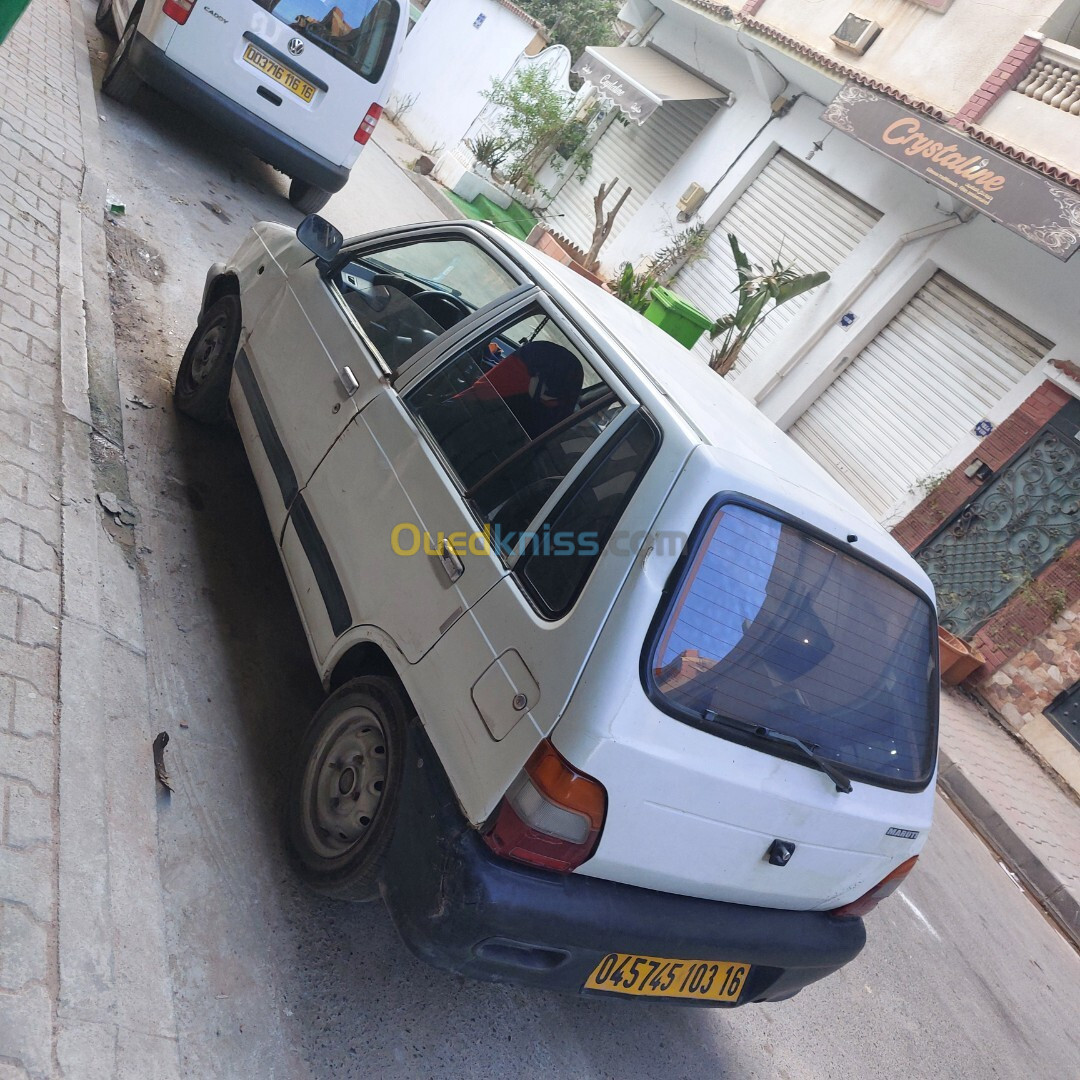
[886, 887]
[551, 816]
[367, 125]
[178, 10]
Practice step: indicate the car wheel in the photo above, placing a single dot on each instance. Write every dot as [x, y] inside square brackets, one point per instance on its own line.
[307, 198]
[103, 19]
[345, 788]
[121, 81]
[202, 380]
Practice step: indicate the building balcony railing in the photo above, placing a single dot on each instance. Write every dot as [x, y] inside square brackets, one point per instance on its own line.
[1054, 79]
[1042, 114]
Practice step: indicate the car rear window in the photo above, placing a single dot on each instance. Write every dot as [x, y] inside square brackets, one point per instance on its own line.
[359, 33]
[771, 626]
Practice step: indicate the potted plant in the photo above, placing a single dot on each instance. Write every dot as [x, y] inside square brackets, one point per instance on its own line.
[958, 659]
[754, 292]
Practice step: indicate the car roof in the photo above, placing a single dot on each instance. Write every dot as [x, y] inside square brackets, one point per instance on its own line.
[739, 439]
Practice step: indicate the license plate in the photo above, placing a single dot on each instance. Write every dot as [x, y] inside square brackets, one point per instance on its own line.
[657, 976]
[279, 73]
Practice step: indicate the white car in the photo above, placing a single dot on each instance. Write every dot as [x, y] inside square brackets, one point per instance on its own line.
[626, 696]
[301, 83]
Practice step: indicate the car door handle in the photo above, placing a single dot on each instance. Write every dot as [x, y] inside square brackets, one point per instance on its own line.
[348, 380]
[450, 560]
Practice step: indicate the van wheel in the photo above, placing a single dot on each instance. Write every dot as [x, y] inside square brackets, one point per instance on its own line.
[344, 791]
[121, 81]
[103, 19]
[307, 198]
[202, 380]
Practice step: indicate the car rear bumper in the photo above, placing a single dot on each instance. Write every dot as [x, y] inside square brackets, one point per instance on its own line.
[261, 137]
[461, 908]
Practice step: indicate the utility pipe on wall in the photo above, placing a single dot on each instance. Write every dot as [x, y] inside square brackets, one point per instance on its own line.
[955, 218]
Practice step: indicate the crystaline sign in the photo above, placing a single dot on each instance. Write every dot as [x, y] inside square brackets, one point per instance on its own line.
[1040, 210]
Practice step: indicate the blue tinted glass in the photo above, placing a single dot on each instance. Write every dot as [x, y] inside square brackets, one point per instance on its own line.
[772, 627]
[360, 33]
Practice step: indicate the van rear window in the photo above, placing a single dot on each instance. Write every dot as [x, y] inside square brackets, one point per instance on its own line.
[359, 33]
[773, 627]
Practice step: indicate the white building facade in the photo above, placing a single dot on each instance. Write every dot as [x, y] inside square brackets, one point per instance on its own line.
[449, 60]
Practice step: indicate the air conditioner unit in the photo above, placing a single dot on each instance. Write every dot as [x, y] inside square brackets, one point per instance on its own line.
[856, 34]
[691, 199]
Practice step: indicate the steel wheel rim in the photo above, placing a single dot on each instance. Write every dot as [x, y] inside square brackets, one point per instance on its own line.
[344, 783]
[206, 354]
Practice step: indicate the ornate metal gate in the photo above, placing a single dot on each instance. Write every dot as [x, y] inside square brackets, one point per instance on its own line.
[1019, 522]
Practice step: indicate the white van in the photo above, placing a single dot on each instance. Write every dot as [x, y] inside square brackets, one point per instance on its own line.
[301, 83]
[625, 694]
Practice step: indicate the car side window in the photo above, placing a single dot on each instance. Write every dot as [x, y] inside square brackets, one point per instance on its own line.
[511, 413]
[558, 559]
[406, 296]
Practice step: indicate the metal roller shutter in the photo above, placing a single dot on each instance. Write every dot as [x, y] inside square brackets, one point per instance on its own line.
[789, 212]
[640, 155]
[931, 375]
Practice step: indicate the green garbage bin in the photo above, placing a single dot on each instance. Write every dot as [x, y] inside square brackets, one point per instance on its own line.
[10, 10]
[676, 317]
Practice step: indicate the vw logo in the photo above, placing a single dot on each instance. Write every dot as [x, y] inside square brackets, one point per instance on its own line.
[296, 46]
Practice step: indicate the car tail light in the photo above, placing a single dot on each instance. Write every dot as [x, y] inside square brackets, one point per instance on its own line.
[886, 887]
[367, 125]
[178, 10]
[551, 816]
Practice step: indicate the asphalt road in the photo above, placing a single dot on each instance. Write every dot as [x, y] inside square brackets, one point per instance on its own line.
[962, 977]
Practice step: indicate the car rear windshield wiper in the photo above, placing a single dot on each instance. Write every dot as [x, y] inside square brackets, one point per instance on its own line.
[843, 784]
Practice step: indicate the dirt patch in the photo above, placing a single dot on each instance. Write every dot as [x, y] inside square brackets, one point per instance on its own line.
[131, 253]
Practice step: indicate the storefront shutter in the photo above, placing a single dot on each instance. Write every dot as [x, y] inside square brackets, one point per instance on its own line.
[790, 213]
[925, 381]
[640, 155]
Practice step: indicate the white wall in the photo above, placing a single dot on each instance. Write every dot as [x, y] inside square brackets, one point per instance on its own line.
[447, 62]
[941, 57]
[1026, 282]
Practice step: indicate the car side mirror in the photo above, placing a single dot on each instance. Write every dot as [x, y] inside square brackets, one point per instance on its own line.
[319, 237]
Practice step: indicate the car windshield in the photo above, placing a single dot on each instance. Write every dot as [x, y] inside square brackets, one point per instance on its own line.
[774, 628]
[359, 33]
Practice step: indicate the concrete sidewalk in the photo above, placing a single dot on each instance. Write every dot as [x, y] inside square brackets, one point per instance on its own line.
[84, 976]
[1015, 804]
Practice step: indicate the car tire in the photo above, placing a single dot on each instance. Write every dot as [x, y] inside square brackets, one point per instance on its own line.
[308, 198]
[121, 81]
[345, 788]
[202, 380]
[103, 19]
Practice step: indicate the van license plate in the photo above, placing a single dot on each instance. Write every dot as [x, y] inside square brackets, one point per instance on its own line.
[656, 976]
[279, 73]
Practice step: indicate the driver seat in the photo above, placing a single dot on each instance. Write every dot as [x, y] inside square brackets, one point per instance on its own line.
[540, 382]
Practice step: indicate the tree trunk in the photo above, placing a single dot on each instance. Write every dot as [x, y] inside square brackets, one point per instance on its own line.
[603, 224]
[723, 362]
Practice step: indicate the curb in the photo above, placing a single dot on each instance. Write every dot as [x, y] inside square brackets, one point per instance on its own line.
[114, 1013]
[434, 193]
[1041, 882]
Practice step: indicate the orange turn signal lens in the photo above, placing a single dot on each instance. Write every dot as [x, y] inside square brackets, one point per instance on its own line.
[885, 887]
[551, 815]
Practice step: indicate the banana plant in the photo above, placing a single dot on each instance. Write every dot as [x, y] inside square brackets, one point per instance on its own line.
[754, 291]
[633, 288]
